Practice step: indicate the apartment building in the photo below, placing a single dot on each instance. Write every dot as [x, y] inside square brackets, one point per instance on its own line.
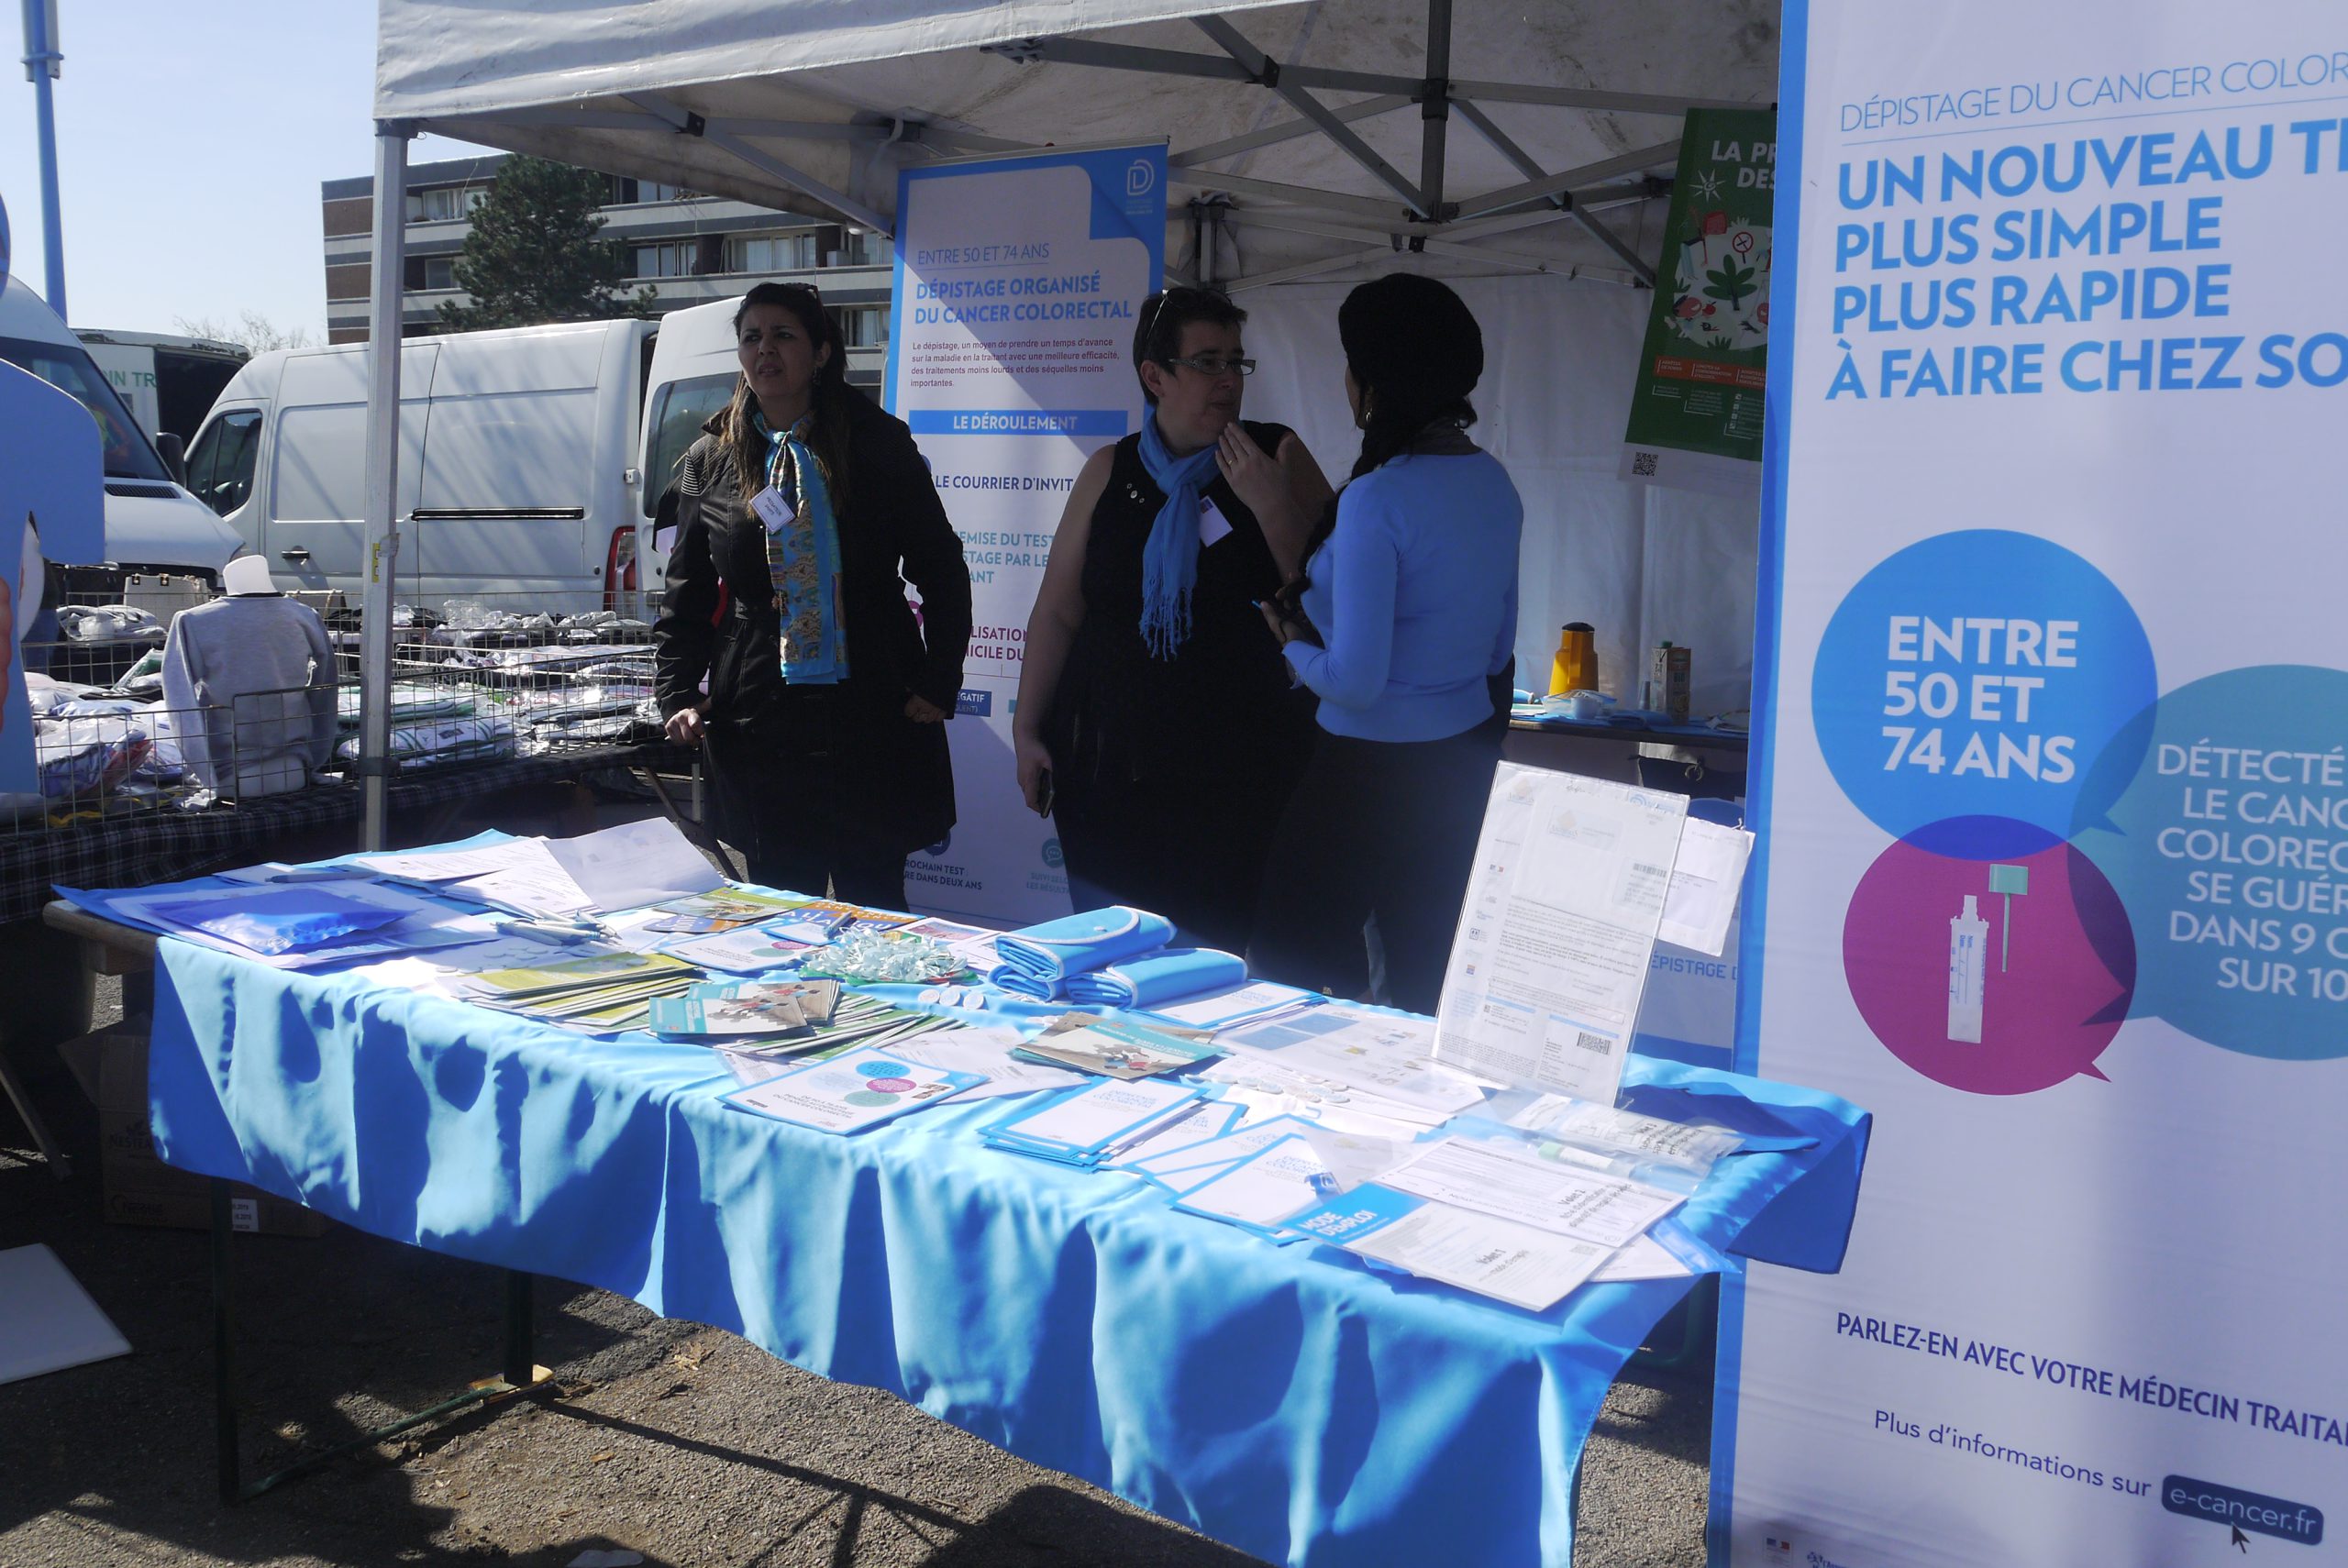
[690, 248]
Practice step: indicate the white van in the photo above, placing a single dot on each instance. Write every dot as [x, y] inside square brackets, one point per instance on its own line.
[695, 367]
[517, 477]
[152, 523]
[169, 381]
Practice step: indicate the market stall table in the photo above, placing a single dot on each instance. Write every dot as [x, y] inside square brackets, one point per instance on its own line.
[1291, 1401]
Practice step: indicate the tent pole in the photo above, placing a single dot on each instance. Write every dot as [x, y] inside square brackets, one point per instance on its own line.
[389, 264]
[1435, 108]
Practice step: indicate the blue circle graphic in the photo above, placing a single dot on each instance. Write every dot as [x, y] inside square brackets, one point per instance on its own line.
[1981, 678]
[2227, 841]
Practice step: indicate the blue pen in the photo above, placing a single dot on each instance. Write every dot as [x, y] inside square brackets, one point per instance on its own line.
[551, 930]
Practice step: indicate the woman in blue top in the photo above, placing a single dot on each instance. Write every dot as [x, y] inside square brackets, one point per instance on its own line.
[1406, 617]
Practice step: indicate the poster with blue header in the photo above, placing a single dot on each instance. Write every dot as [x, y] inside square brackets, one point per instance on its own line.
[1018, 285]
[2053, 790]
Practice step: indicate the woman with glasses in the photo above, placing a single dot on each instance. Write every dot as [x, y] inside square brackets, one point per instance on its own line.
[1407, 615]
[1155, 722]
[802, 511]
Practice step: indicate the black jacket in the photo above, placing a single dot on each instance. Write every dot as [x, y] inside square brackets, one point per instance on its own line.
[893, 774]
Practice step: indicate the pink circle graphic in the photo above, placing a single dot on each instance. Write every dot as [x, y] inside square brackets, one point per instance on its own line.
[2015, 995]
[889, 1086]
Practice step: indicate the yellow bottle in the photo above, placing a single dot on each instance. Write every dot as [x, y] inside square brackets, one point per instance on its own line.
[1575, 667]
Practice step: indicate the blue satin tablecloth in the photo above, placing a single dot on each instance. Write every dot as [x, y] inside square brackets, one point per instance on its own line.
[1291, 1401]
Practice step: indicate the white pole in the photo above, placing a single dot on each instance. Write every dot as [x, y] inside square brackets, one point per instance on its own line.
[389, 266]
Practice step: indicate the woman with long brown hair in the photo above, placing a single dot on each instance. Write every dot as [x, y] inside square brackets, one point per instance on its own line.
[801, 513]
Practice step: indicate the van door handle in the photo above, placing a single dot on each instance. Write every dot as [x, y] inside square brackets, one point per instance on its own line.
[297, 554]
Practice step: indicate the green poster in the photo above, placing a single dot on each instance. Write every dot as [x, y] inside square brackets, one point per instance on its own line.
[1696, 416]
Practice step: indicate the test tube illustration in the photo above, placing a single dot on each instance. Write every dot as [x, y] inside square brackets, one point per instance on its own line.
[1968, 939]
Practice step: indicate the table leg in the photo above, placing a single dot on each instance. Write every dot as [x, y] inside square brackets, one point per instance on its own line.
[521, 1337]
[520, 1376]
[224, 1346]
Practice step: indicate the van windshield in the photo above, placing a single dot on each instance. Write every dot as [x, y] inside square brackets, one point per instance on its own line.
[682, 408]
[128, 454]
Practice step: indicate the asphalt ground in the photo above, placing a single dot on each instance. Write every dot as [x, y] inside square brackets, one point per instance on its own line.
[682, 1444]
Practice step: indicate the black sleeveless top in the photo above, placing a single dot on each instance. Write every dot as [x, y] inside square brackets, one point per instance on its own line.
[1223, 709]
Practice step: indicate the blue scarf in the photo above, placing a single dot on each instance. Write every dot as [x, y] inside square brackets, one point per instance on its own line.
[804, 559]
[1169, 562]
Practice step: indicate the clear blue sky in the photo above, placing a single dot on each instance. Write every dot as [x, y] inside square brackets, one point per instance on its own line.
[191, 139]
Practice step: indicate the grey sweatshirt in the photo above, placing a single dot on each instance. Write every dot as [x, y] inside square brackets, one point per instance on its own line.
[248, 693]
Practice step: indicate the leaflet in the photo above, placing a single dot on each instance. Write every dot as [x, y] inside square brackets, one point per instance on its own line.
[1183, 1158]
[1114, 1049]
[733, 906]
[1508, 1262]
[422, 923]
[1604, 1127]
[1550, 957]
[1641, 1257]
[1266, 1188]
[851, 1093]
[987, 1052]
[1088, 1121]
[1491, 1178]
[450, 864]
[633, 863]
[752, 950]
[1253, 1000]
[529, 880]
[1390, 1055]
[971, 943]
[1702, 897]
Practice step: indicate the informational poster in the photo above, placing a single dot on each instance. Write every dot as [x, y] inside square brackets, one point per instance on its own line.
[2054, 802]
[1696, 414]
[1550, 957]
[1018, 285]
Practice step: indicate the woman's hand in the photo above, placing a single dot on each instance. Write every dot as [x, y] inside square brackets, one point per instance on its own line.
[1035, 763]
[685, 726]
[1257, 479]
[922, 711]
[1283, 631]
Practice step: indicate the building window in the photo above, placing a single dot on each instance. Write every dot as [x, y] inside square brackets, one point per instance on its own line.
[675, 260]
[864, 326]
[442, 203]
[439, 272]
[769, 252]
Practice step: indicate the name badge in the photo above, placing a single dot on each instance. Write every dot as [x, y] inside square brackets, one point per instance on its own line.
[772, 510]
[1212, 524]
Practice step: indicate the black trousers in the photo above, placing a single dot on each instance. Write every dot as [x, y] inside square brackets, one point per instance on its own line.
[788, 802]
[1384, 828]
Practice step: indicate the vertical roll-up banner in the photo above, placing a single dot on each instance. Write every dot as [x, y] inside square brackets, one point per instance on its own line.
[2054, 789]
[1018, 282]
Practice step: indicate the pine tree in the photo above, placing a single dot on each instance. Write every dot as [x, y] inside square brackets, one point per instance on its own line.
[532, 257]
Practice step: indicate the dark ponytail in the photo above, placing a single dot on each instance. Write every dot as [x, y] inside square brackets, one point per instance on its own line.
[1416, 351]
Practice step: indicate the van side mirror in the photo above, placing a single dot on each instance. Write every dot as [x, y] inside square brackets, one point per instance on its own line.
[174, 451]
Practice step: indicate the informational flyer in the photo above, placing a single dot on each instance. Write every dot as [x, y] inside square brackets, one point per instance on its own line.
[1696, 413]
[2055, 816]
[1550, 957]
[1018, 283]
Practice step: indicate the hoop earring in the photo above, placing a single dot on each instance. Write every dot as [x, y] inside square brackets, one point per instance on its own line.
[1369, 410]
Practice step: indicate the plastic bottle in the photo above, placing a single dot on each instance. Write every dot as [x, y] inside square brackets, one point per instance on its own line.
[1969, 946]
[1575, 668]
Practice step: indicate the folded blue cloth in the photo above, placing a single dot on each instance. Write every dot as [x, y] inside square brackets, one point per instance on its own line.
[1037, 962]
[1168, 975]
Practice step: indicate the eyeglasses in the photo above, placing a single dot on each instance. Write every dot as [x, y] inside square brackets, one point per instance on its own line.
[1212, 366]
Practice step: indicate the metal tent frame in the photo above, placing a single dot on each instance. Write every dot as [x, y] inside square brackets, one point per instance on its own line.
[1415, 214]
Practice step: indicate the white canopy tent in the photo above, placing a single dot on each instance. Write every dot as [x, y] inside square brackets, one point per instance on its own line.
[1520, 149]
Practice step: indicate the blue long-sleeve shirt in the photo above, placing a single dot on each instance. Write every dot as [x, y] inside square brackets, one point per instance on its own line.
[1415, 597]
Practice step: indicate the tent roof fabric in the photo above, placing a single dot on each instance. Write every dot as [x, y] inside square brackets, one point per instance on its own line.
[1308, 117]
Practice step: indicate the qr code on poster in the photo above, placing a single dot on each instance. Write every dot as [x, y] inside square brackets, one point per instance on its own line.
[1643, 464]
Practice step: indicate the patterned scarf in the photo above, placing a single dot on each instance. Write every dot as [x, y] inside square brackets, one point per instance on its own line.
[1170, 561]
[803, 559]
